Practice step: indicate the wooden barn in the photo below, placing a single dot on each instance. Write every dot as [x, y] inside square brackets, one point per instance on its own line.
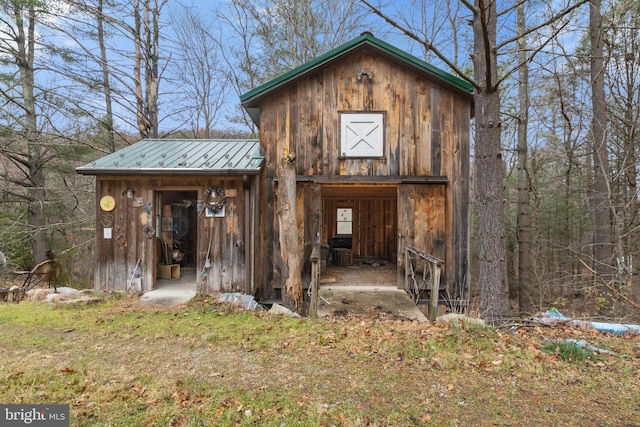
[381, 143]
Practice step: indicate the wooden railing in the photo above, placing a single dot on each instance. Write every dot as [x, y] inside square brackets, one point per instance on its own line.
[422, 273]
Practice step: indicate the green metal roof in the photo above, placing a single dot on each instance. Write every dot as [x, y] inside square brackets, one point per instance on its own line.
[456, 83]
[181, 157]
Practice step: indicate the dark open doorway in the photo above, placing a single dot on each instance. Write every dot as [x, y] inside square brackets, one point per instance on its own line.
[359, 234]
[177, 219]
[362, 219]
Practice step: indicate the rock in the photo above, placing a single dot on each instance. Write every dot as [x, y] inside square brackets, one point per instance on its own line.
[279, 309]
[63, 294]
[458, 318]
[54, 298]
[65, 290]
[80, 302]
[38, 294]
[49, 295]
[245, 301]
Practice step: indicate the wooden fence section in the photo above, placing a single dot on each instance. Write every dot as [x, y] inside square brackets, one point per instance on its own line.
[422, 273]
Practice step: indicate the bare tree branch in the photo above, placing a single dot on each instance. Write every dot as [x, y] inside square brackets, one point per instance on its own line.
[425, 43]
[530, 57]
[543, 24]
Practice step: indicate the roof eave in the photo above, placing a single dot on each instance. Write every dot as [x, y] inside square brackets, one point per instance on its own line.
[165, 172]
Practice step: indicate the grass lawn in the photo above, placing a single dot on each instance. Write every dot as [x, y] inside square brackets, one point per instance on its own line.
[119, 364]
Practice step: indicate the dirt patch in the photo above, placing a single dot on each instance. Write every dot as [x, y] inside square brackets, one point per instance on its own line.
[367, 289]
[368, 302]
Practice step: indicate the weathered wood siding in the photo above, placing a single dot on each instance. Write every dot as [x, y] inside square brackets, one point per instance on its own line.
[425, 223]
[116, 258]
[421, 120]
[426, 135]
[227, 237]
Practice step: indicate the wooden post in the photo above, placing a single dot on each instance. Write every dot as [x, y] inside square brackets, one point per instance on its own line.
[315, 278]
[248, 262]
[435, 290]
[405, 285]
[292, 296]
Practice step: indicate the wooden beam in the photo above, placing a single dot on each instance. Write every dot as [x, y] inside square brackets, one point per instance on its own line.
[359, 179]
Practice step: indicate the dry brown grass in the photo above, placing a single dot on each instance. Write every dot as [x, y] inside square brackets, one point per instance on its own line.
[120, 364]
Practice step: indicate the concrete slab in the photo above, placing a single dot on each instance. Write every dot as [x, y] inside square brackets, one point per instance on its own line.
[173, 292]
[367, 301]
[167, 298]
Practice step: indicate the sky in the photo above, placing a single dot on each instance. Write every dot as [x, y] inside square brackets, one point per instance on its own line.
[206, 10]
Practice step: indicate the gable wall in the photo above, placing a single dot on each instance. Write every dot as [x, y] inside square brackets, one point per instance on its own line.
[421, 134]
[426, 134]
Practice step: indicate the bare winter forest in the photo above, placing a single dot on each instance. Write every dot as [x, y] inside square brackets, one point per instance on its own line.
[555, 215]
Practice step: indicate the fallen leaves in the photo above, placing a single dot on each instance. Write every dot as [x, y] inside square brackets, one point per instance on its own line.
[236, 369]
[185, 397]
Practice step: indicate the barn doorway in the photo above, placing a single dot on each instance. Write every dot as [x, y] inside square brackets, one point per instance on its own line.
[359, 233]
[177, 237]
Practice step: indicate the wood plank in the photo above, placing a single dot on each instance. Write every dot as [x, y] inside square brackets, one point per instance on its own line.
[460, 199]
[350, 179]
[310, 211]
[405, 215]
[312, 129]
[147, 248]
[436, 144]
[133, 234]
[315, 279]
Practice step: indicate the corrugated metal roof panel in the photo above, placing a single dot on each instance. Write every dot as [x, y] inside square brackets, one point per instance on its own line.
[181, 156]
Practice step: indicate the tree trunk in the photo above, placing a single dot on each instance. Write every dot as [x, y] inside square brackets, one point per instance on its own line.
[107, 122]
[290, 250]
[526, 291]
[143, 125]
[603, 249]
[147, 54]
[153, 78]
[25, 57]
[492, 254]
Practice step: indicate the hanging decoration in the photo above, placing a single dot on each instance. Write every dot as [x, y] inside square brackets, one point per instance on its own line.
[215, 198]
[146, 218]
[106, 220]
[107, 203]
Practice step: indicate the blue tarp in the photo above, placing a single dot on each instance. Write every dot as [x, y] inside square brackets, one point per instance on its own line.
[554, 316]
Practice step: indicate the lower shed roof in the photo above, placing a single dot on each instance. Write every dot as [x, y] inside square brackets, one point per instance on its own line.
[181, 157]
